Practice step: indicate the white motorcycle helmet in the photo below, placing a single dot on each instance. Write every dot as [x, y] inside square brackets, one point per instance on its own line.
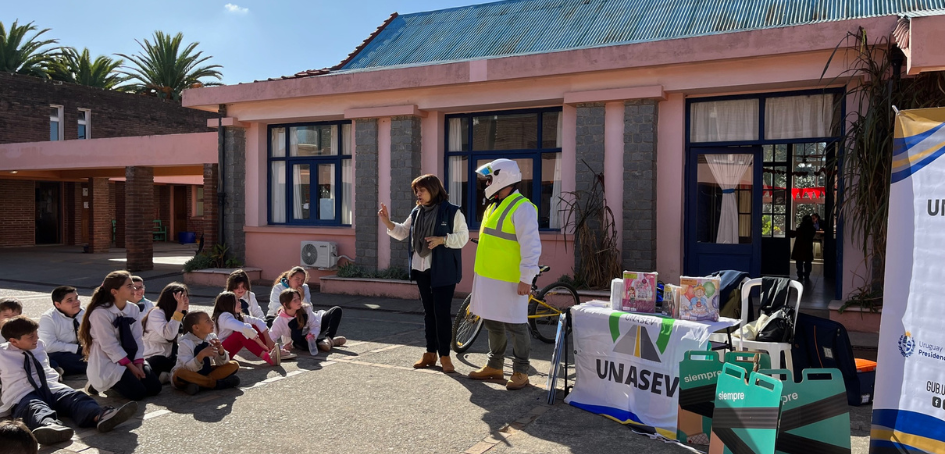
[504, 173]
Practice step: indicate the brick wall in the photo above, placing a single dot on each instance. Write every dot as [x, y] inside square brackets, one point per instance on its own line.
[25, 101]
[100, 236]
[139, 220]
[210, 208]
[405, 166]
[590, 160]
[639, 184]
[18, 205]
[365, 204]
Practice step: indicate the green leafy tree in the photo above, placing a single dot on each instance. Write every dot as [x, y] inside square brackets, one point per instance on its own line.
[79, 68]
[164, 69]
[22, 55]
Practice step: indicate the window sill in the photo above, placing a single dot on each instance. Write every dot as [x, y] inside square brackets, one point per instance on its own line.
[338, 230]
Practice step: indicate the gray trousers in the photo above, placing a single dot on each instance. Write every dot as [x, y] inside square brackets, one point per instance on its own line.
[499, 332]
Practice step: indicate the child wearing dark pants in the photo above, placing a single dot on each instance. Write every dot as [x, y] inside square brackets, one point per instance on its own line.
[162, 326]
[111, 337]
[297, 323]
[59, 330]
[31, 389]
[202, 362]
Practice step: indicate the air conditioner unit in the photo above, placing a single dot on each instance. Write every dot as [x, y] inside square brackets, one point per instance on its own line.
[319, 254]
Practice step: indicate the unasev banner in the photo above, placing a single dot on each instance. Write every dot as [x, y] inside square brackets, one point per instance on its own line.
[909, 404]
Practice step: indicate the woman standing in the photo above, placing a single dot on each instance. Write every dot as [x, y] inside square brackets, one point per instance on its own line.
[435, 232]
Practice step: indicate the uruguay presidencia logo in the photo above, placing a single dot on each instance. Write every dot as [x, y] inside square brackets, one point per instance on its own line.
[906, 345]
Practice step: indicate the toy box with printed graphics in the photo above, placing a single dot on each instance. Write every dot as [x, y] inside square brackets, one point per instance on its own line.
[639, 294]
[699, 298]
[671, 300]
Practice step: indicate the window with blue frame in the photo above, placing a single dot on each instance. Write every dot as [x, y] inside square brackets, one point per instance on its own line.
[532, 138]
[310, 174]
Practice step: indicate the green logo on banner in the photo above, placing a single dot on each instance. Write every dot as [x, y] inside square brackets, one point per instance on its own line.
[636, 341]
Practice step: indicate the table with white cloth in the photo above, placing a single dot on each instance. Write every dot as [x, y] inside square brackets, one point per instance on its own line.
[627, 364]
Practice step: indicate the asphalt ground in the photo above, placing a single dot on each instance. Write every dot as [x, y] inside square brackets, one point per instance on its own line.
[362, 397]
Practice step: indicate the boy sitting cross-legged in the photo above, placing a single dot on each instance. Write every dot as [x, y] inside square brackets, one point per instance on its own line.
[59, 331]
[31, 389]
[202, 362]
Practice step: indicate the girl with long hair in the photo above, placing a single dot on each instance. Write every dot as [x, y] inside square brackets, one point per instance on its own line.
[162, 325]
[236, 330]
[297, 323]
[295, 278]
[110, 335]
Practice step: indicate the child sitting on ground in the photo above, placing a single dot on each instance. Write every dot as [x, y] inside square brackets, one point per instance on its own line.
[32, 390]
[238, 283]
[236, 330]
[59, 330]
[16, 438]
[9, 308]
[144, 304]
[161, 327]
[297, 323]
[202, 362]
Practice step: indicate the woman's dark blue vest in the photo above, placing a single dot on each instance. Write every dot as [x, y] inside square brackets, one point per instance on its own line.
[446, 266]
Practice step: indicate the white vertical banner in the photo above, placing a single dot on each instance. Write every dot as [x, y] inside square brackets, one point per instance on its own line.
[909, 407]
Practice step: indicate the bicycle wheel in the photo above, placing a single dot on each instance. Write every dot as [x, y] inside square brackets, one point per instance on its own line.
[544, 320]
[466, 327]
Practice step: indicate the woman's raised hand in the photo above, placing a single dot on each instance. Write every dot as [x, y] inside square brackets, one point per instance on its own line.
[384, 216]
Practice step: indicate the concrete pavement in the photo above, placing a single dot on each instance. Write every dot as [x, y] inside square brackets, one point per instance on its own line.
[363, 397]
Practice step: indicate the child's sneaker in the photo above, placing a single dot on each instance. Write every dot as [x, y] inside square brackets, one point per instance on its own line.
[338, 341]
[287, 355]
[164, 378]
[191, 388]
[53, 433]
[229, 382]
[112, 417]
[274, 357]
[325, 344]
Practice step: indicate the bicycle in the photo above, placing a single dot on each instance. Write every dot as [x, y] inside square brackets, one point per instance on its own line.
[544, 308]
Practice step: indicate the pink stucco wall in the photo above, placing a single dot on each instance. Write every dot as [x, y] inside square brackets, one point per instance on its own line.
[670, 183]
[276, 249]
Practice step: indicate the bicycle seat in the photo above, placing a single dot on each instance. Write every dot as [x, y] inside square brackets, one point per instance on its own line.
[543, 269]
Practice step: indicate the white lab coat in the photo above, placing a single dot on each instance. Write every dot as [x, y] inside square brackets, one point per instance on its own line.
[254, 308]
[280, 326]
[148, 304]
[186, 356]
[13, 375]
[57, 331]
[499, 300]
[104, 370]
[160, 333]
[274, 304]
[227, 324]
[455, 240]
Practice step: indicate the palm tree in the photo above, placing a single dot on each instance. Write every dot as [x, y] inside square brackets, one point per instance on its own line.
[25, 57]
[79, 68]
[164, 70]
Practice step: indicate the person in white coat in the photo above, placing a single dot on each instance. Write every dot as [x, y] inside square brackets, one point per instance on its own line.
[162, 325]
[297, 324]
[111, 340]
[202, 362]
[144, 304]
[237, 331]
[238, 283]
[59, 330]
[295, 278]
[506, 264]
[31, 389]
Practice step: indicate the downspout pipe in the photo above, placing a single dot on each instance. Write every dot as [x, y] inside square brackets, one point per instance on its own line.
[221, 176]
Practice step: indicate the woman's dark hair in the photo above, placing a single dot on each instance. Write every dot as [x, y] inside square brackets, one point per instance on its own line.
[101, 297]
[433, 185]
[286, 275]
[807, 221]
[286, 297]
[226, 302]
[166, 302]
[236, 278]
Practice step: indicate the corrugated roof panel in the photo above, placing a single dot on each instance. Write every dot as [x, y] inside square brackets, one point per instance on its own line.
[515, 27]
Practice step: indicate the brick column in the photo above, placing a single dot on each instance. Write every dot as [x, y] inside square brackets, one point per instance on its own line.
[69, 214]
[234, 185]
[365, 205]
[120, 195]
[590, 152]
[405, 166]
[100, 224]
[210, 216]
[139, 217]
[639, 184]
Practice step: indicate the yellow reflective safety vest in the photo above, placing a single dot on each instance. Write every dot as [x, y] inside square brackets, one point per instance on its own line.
[498, 255]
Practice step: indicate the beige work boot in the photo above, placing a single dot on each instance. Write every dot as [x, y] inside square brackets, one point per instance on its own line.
[518, 381]
[447, 365]
[487, 373]
[428, 359]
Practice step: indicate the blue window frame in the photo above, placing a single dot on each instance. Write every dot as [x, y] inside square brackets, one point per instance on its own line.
[530, 137]
[310, 174]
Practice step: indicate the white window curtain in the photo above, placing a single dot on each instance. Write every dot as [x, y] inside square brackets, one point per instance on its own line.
[277, 202]
[347, 177]
[724, 121]
[333, 150]
[555, 214]
[297, 191]
[456, 134]
[798, 117]
[728, 170]
[457, 179]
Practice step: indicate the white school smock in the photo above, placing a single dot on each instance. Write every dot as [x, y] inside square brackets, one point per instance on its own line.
[57, 331]
[185, 354]
[280, 326]
[160, 333]
[497, 300]
[274, 304]
[103, 370]
[148, 305]
[455, 240]
[227, 323]
[13, 375]
[254, 308]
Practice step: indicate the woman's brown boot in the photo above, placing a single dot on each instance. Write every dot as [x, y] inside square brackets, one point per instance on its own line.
[429, 359]
[447, 365]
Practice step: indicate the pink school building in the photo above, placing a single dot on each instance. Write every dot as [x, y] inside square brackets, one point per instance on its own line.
[712, 128]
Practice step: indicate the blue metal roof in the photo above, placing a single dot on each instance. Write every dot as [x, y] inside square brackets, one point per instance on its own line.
[515, 27]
